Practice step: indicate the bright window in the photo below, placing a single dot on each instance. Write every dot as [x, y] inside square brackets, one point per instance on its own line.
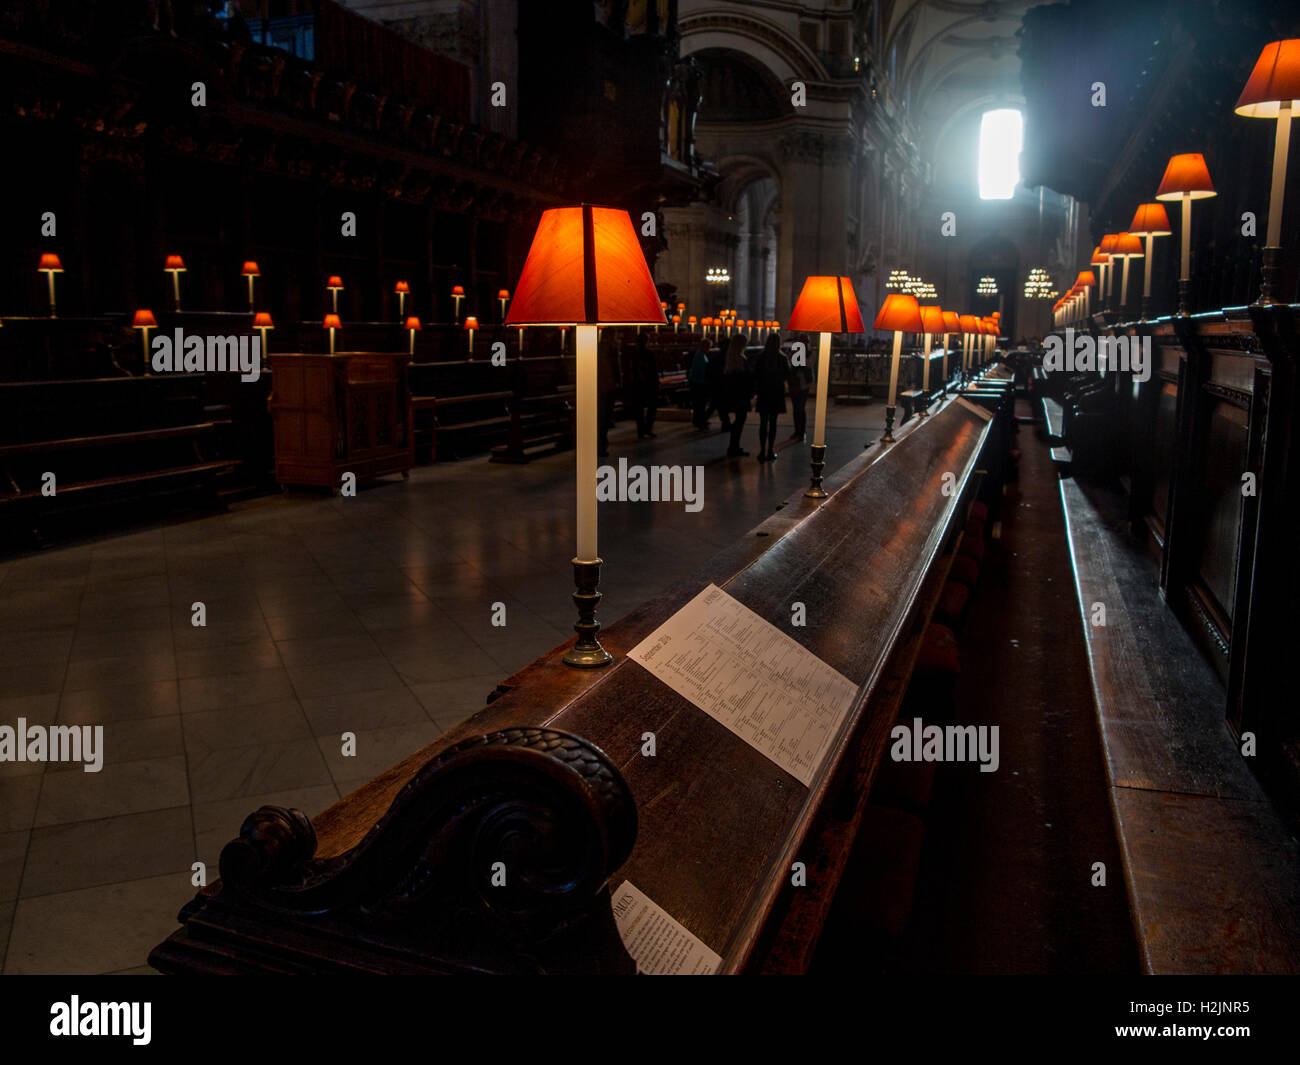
[999, 164]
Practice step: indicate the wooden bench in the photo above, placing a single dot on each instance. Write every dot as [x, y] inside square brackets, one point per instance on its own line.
[393, 878]
[539, 425]
[459, 424]
[102, 439]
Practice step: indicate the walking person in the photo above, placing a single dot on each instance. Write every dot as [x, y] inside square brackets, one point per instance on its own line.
[770, 372]
[800, 385]
[717, 368]
[697, 379]
[644, 383]
[737, 387]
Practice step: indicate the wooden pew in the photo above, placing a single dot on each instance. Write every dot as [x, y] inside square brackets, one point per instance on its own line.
[539, 425]
[459, 424]
[104, 439]
[392, 878]
[1192, 668]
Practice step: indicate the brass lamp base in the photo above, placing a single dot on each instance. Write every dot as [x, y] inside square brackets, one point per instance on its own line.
[888, 438]
[816, 491]
[587, 652]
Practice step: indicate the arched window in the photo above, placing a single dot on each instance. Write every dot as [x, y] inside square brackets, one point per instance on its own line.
[1001, 133]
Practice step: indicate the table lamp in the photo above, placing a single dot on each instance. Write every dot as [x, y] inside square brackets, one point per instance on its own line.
[1084, 282]
[332, 323]
[251, 272]
[901, 313]
[402, 288]
[175, 266]
[144, 321]
[457, 294]
[471, 323]
[826, 305]
[969, 327]
[1149, 221]
[951, 324]
[1273, 91]
[503, 294]
[585, 269]
[49, 266]
[1186, 179]
[412, 327]
[1107, 248]
[335, 286]
[1127, 246]
[262, 322]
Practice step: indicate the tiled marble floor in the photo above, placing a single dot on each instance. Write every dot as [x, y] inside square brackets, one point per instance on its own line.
[370, 615]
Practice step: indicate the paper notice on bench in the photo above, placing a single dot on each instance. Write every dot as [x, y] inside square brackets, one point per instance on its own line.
[748, 675]
[659, 945]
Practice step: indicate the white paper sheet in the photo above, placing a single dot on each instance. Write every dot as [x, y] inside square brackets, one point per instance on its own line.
[751, 677]
[659, 945]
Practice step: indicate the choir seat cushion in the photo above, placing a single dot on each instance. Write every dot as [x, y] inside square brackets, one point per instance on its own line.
[979, 510]
[972, 546]
[938, 652]
[951, 608]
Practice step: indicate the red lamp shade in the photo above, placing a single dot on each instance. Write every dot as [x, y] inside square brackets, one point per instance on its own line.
[1086, 279]
[951, 322]
[413, 323]
[1275, 79]
[144, 320]
[402, 286]
[1150, 220]
[457, 290]
[1186, 175]
[1128, 246]
[174, 262]
[334, 282]
[1107, 245]
[262, 320]
[51, 263]
[471, 322]
[585, 267]
[827, 305]
[503, 294]
[969, 323]
[900, 313]
[931, 319]
[677, 319]
[250, 269]
[332, 322]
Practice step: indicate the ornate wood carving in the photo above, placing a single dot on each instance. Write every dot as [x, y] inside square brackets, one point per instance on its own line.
[496, 854]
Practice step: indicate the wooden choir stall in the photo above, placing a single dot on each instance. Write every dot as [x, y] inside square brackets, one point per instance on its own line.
[501, 846]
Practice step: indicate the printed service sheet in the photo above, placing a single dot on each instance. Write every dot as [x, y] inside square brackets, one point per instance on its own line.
[748, 675]
[659, 945]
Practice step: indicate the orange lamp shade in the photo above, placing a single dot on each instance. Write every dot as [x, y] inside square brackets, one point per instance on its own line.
[471, 322]
[51, 263]
[776, 325]
[1099, 258]
[503, 294]
[681, 306]
[691, 320]
[144, 320]
[457, 290]
[951, 322]
[250, 269]
[677, 319]
[969, 323]
[402, 286]
[663, 306]
[1128, 246]
[332, 322]
[1086, 279]
[1150, 220]
[262, 320]
[827, 304]
[413, 323]
[1275, 79]
[1186, 175]
[334, 282]
[174, 262]
[1107, 246]
[900, 313]
[585, 267]
[931, 319]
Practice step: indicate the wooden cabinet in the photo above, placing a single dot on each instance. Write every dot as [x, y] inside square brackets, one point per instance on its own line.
[343, 413]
